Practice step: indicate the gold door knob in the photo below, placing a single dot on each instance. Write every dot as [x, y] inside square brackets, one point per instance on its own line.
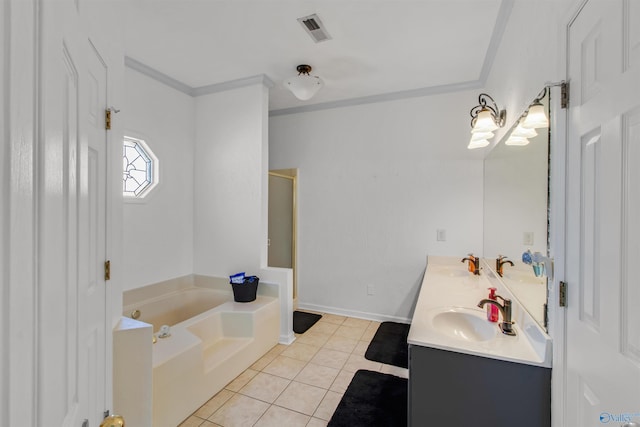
[113, 421]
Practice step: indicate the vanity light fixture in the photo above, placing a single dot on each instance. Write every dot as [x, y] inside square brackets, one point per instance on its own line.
[523, 131]
[304, 86]
[516, 140]
[520, 135]
[536, 116]
[485, 118]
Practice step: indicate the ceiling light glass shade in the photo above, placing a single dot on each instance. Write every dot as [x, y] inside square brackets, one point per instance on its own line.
[536, 117]
[517, 140]
[524, 132]
[484, 122]
[480, 143]
[481, 135]
[304, 86]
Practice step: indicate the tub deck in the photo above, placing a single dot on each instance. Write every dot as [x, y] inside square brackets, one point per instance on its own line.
[206, 351]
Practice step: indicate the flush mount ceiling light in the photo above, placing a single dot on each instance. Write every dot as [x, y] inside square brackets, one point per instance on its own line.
[304, 86]
[485, 118]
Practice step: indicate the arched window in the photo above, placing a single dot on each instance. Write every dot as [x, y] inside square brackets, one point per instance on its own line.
[139, 168]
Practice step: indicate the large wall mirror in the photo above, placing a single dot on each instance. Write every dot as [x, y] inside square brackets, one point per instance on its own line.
[516, 194]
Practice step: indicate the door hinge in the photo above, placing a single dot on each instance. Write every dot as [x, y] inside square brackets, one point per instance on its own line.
[107, 270]
[107, 119]
[564, 95]
[546, 316]
[562, 294]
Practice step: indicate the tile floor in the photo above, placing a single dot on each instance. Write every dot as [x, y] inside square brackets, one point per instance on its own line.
[296, 385]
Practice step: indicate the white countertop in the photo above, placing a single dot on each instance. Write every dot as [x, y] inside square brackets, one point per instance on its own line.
[448, 284]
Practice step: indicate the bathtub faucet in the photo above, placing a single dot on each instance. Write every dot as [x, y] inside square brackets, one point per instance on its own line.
[165, 331]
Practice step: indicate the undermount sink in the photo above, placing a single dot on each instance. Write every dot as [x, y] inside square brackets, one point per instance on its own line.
[464, 324]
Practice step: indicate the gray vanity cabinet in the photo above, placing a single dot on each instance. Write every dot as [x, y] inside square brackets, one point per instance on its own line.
[459, 390]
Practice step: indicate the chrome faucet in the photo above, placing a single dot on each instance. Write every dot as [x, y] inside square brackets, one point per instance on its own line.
[474, 264]
[505, 309]
[500, 262]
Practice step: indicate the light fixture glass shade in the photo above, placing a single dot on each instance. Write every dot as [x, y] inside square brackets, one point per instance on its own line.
[481, 135]
[484, 122]
[304, 86]
[536, 117]
[480, 143]
[524, 132]
[517, 140]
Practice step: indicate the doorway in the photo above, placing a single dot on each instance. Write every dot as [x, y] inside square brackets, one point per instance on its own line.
[282, 222]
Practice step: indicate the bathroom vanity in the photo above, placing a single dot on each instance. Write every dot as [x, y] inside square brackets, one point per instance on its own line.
[462, 369]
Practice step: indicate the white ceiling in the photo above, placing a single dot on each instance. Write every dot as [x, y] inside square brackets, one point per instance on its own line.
[378, 47]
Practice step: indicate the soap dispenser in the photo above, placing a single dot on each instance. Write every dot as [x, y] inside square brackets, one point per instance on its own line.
[492, 310]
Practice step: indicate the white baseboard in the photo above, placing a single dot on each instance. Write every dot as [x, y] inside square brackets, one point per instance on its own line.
[287, 339]
[353, 313]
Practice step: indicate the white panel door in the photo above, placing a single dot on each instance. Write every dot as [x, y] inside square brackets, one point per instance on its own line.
[603, 208]
[72, 355]
[93, 241]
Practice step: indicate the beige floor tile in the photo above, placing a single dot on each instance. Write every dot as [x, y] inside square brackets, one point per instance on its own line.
[342, 381]
[214, 404]
[317, 375]
[331, 358]
[395, 370]
[324, 327]
[192, 421]
[301, 351]
[317, 422]
[333, 318]
[265, 387]
[317, 339]
[241, 380]
[285, 367]
[356, 362]
[206, 423]
[340, 343]
[361, 348]
[349, 332]
[263, 362]
[301, 398]
[328, 405]
[370, 332]
[356, 323]
[281, 417]
[239, 411]
[277, 349]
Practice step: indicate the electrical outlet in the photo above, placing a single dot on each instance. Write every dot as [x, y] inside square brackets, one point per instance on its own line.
[370, 290]
[441, 235]
[527, 238]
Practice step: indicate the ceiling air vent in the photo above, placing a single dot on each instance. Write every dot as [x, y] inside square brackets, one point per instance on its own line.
[314, 27]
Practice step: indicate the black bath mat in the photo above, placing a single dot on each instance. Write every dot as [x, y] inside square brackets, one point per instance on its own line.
[389, 345]
[373, 399]
[303, 321]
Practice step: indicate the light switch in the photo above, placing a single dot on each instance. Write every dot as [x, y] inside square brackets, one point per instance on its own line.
[527, 238]
[441, 235]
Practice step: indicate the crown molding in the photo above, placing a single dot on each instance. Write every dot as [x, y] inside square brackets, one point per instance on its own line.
[502, 19]
[196, 91]
[157, 75]
[391, 96]
[234, 84]
[496, 38]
